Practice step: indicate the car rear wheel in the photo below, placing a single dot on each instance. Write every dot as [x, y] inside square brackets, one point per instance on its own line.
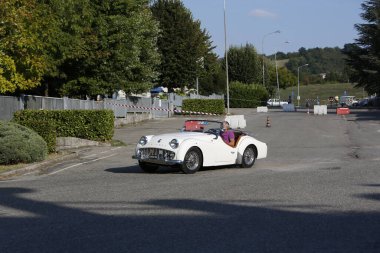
[249, 157]
[149, 168]
[193, 161]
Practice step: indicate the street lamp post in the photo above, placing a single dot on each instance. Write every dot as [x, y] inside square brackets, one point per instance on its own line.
[298, 74]
[278, 83]
[226, 56]
[262, 51]
[200, 62]
[197, 83]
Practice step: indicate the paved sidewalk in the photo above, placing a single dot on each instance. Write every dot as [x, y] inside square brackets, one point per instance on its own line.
[54, 160]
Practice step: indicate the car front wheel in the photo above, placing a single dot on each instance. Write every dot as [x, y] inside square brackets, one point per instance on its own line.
[249, 157]
[193, 161]
[149, 168]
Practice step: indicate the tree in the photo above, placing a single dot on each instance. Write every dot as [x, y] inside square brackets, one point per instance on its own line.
[118, 49]
[71, 43]
[244, 64]
[184, 46]
[214, 79]
[364, 55]
[22, 59]
[286, 78]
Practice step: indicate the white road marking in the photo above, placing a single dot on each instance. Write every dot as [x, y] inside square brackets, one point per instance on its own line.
[78, 164]
[89, 156]
[103, 152]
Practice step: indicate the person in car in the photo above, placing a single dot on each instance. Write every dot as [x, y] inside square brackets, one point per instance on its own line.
[227, 134]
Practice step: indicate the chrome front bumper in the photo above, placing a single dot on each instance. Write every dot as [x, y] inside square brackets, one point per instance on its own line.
[158, 161]
[156, 156]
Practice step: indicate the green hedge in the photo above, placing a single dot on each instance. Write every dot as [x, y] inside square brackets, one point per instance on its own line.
[204, 105]
[247, 95]
[97, 125]
[19, 144]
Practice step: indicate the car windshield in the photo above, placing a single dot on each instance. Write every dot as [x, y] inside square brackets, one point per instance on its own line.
[201, 125]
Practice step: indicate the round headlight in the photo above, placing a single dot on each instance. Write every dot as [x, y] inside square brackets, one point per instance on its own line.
[174, 143]
[143, 140]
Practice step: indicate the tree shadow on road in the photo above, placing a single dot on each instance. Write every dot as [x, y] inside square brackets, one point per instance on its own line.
[365, 115]
[180, 225]
[370, 196]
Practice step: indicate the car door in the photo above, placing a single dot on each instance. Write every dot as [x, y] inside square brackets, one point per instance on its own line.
[225, 153]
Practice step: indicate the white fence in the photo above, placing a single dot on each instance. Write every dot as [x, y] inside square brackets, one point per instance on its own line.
[8, 106]
[121, 108]
[155, 107]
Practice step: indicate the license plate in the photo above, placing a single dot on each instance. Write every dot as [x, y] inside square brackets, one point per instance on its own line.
[153, 154]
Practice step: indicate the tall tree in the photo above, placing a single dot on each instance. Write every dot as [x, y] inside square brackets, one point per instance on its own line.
[213, 80]
[364, 55]
[244, 64]
[22, 59]
[184, 46]
[119, 49]
[71, 43]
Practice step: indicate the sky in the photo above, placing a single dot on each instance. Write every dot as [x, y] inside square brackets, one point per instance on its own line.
[302, 23]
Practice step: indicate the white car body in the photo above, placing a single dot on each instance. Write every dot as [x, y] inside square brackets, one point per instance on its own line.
[214, 151]
[348, 101]
[276, 102]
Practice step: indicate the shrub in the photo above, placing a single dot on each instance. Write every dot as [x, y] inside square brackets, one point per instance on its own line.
[204, 105]
[94, 125]
[20, 144]
[46, 129]
[247, 95]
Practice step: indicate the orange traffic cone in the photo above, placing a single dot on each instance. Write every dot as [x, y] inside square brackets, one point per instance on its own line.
[268, 122]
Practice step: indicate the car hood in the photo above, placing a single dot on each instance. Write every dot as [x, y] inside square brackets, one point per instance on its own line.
[162, 140]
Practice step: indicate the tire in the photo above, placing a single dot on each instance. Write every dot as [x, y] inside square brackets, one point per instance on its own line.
[193, 161]
[148, 168]
[249, 157]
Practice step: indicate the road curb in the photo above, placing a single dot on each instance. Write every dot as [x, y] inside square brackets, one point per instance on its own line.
[38, 165]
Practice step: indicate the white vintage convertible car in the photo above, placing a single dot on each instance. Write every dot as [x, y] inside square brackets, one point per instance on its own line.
[199, 144]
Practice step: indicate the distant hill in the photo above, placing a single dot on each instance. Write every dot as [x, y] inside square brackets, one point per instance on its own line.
[282, 63]
[325, 64]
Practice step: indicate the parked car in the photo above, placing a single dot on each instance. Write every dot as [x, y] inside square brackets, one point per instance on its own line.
[348, 101]
[364, 102]
[276, 102]
[199, 144]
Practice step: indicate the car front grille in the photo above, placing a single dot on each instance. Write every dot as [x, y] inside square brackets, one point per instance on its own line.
[155, 154]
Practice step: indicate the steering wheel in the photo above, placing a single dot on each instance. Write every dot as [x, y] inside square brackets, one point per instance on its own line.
[215, 131]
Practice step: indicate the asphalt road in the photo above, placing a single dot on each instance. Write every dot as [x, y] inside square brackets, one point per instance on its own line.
[317, 191]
